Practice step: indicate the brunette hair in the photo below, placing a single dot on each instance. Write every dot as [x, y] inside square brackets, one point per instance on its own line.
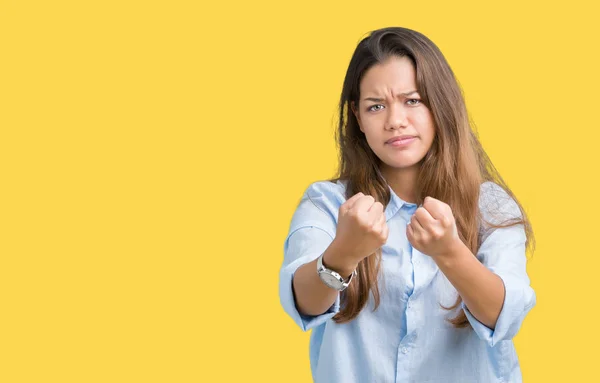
[452, 171]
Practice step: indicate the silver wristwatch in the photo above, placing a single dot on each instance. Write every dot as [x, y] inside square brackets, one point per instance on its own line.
[332, 278]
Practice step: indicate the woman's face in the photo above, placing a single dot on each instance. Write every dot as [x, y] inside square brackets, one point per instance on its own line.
[389, 107]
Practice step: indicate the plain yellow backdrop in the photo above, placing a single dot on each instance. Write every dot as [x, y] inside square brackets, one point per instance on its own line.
[153, 152]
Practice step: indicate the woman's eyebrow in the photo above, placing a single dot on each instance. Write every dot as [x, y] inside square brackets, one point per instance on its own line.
[382, 99]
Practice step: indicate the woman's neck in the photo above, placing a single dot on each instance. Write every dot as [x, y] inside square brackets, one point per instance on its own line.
[403, 182]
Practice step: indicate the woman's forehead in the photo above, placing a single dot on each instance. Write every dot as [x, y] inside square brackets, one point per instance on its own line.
[394, 77]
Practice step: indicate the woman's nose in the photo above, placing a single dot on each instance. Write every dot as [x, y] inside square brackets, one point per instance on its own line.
[397, 117]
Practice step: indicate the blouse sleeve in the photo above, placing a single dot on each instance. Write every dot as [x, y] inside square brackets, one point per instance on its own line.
[312, 230]
[503, 252]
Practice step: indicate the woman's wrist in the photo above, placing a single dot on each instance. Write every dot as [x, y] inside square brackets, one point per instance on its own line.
[335, 259]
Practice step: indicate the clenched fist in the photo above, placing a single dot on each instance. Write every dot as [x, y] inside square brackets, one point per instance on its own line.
[361, 228]
[432, 229]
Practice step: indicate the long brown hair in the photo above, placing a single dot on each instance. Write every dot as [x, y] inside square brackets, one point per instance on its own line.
[452, 171]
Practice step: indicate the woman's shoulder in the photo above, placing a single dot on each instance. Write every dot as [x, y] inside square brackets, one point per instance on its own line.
[333, 190]
[319, 206]
[491, 188]
[496, 204]
[325, 195]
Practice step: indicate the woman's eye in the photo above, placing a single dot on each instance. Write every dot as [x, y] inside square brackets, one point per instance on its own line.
[371, 108]
[412, 101]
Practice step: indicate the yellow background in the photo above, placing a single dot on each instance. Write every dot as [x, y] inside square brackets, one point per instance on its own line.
[153, 152]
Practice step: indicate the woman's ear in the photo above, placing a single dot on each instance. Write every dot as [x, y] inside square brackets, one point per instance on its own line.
[356, 114]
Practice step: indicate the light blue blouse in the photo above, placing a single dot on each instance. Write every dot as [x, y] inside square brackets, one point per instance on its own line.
[407, 339]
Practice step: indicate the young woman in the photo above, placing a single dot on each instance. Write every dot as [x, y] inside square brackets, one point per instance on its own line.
[410, 265]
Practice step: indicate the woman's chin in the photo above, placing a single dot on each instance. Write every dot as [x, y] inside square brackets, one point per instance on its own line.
[406, 164]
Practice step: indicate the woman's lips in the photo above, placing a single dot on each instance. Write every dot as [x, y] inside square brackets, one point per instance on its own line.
[402, 142]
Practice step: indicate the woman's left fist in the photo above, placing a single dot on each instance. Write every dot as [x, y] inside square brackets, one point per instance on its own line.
[432, 229]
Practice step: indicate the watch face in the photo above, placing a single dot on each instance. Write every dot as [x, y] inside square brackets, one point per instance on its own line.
[330, 280]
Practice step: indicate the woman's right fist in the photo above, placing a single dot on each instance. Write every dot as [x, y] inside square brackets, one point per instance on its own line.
[361, 228]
